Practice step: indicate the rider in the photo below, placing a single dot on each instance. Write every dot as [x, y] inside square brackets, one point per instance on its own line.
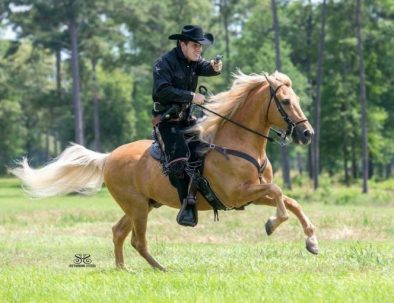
[175, 77]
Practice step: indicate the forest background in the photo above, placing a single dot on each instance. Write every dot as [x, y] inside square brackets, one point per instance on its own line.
[80, 71]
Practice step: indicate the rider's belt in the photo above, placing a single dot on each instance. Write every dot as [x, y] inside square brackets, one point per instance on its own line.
[171, 112]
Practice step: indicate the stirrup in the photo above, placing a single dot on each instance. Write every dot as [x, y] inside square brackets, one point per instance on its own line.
[188, 215]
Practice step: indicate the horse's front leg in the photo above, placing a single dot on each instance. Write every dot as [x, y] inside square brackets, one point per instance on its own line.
[271, 191]
[292, 205]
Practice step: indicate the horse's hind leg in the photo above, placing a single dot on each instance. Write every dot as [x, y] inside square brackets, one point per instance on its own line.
[137, 209]
[120, 231]
[138, 239]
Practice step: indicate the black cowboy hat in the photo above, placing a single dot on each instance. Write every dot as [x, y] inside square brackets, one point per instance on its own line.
[193, 33]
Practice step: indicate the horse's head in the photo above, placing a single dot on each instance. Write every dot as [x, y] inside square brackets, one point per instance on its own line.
[284, 110]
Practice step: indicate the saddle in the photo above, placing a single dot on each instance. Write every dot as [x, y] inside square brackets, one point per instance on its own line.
[196, 169]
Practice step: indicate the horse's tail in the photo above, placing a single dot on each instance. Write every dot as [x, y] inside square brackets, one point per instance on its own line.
[77, 169]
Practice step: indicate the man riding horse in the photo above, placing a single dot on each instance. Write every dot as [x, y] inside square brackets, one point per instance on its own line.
[253, 105]
[175, 78]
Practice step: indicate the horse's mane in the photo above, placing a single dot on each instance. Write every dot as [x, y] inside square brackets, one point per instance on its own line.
[226, 103]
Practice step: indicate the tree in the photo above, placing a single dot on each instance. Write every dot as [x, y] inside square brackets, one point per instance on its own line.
[284, 150]
[364, 138]
[60, 13]
[319, 80]
[33, 24]
[12, 129]
[227, 9]
[27, 85]
[77, 105]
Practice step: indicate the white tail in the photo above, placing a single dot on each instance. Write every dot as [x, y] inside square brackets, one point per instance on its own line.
[77, 169]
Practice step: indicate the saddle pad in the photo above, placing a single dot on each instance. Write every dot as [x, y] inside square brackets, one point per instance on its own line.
[155, 151]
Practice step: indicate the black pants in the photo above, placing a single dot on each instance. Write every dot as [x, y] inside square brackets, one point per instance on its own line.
[177, 153]
[172, 134]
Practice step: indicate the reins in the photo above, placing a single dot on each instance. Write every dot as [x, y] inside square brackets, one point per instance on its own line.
[282, 135]
[237, 123]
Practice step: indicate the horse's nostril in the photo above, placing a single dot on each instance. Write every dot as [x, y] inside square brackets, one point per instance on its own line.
[307, 133]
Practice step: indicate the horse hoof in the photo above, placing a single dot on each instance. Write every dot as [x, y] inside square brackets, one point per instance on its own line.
[269, 228]
[312, 245]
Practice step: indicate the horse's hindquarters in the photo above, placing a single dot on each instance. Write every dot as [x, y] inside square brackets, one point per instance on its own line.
[130, 172]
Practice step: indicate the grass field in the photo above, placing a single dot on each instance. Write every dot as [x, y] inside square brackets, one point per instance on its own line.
[227, 261]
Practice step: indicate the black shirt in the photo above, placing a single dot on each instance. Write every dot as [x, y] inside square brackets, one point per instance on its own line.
[175, 78]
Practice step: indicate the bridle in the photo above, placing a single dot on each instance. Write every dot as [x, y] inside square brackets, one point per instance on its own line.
[284, 137]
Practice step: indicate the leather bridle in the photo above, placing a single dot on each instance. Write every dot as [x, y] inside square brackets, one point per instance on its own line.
[290, 124]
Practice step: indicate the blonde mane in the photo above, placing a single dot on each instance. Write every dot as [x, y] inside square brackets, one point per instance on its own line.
[227, 103]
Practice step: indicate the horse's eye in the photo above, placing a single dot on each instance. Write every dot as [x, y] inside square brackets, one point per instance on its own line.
[286, 102]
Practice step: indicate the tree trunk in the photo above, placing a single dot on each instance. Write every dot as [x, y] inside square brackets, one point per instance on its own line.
[345, 165]
[225, 12]
[309, 30]
[371, 166]
[389, 170]
[354, 161]
[363, 101]
[58, 94]
[96, 109]
[77, 105]
[284, 150]
[319, 80]
[57, 143]
[300, 163]
[47, 139]
[380, 168]
[310, 162]
[58, 74]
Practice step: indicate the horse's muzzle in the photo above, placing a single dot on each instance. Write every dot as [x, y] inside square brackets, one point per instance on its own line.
[302, 134]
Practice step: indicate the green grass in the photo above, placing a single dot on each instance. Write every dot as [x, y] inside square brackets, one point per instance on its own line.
[227, 261]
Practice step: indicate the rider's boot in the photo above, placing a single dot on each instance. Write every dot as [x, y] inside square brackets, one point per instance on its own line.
[188, 215]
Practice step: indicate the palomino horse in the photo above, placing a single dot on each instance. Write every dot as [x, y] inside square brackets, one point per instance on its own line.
[136, 180]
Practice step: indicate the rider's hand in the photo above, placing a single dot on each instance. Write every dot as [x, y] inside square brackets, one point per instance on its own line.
[198, 99]
[217, 66]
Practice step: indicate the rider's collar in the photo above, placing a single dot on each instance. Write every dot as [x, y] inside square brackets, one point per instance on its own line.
[179, 53]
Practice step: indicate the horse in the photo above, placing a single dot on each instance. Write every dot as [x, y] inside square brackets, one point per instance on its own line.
[238, 119]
